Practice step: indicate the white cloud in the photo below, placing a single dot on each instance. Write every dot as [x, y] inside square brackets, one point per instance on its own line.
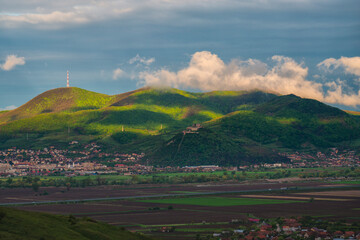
[117, 73]
[11, 107]
[350, 65]
[60, 15]
[142, 60]
[53, 17]
[337, 95]
[206, 71]
[11, 61]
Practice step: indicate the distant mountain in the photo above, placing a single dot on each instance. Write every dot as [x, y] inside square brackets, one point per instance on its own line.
[284, 122]
[313, 119]
[294, 106]
[237, 126]
[18, 224]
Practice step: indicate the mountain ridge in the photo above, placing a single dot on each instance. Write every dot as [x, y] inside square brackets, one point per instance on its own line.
[247, 124]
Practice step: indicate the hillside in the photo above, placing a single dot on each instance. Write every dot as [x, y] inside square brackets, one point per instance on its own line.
[209, 146]
[143, 111]
[285, 122]
[57, 100]
[296, 107]
[237, 126]
[17, 224]
[313, 119]
[218, 101]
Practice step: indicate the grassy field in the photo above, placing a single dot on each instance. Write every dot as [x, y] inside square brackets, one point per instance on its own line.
[181, 177]
[122, 177]
[218, 201]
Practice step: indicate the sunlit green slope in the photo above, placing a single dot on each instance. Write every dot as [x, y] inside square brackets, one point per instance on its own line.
[58, 100]
[145, 111]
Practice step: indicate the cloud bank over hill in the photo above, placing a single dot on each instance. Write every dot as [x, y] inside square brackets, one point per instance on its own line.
[207, 72]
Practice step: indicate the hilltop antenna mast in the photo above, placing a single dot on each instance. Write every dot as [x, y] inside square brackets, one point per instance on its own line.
[67, 79]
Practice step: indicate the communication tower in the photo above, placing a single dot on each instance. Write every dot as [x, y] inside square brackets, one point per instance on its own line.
[67, 79]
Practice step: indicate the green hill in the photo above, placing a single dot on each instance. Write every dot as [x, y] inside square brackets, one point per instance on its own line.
[58, 100]
[294, 106]
[238, 126]
[284, 122]
[210, 146]
[311, 117]
[291, 121]
[144, 111]
[16, 224]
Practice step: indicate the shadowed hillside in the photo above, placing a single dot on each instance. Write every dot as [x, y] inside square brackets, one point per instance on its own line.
[210, 146]
[286, 122]
[17, 224]
[309, 116]
[294, 106]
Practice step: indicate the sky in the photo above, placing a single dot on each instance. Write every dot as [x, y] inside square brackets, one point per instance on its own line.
[310, 48]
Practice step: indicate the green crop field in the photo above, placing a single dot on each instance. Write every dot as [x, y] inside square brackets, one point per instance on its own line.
[199, 229]
[348, 182]
[218, 201]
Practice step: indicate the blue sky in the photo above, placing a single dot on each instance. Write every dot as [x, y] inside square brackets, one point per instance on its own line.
[307, 47]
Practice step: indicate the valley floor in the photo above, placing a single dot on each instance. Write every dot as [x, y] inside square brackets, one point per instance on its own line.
[198, 210]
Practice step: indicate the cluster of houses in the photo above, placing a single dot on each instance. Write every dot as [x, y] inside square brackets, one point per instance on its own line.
[332, 158]
[201, 168]
[53, 161]
[289, 229]
[50, 161]
[91, 159]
